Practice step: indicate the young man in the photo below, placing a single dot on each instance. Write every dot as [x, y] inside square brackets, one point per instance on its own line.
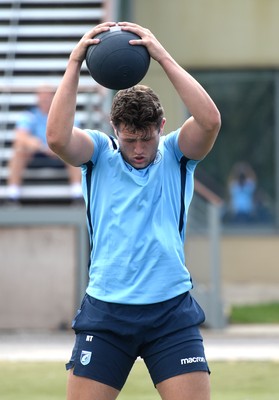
[137, 190]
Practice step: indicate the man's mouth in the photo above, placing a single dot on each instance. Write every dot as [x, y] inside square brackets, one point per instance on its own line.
[139, 159]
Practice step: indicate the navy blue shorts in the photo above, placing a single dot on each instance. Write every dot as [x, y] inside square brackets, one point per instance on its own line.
[110, 337]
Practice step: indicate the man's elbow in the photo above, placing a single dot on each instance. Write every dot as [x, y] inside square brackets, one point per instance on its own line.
[214, 122]
[53, 141]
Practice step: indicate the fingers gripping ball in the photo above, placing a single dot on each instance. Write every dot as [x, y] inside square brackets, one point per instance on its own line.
[116, 64]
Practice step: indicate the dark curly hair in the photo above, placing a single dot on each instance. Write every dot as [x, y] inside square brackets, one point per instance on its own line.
[137, 108]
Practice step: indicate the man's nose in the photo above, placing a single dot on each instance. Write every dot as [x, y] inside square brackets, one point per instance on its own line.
[139, 147]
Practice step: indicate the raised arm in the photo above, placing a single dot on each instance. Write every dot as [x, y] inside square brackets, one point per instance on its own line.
[200, 130]
[72, 144]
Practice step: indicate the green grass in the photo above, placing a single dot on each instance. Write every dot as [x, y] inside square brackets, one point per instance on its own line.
[33, 381]
[229, 381]
[245, 380]
[266, 313]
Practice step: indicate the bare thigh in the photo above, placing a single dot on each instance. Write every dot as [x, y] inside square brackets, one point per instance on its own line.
[80, 388]
[190, 386]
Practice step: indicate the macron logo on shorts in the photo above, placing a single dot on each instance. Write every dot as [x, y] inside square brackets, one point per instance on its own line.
[191, 360]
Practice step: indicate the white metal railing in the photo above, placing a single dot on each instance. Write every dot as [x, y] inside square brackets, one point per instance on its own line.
[59, 13]
[18, 86]
[204, 225]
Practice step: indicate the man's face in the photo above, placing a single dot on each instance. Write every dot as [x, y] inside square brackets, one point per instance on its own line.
[139, 149]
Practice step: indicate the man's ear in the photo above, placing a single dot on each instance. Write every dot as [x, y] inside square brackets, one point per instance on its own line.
[162, 126]
[114, 129]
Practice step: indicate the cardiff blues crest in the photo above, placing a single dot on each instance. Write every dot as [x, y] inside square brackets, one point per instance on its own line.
[85, 357]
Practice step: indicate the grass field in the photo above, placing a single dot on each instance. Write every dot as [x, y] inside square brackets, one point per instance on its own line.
[266, 313]
[230, 381]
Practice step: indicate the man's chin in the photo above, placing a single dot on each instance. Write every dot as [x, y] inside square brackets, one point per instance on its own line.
[140, 165]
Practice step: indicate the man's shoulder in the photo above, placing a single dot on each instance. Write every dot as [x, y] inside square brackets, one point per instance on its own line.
[104, 145]
[101, 138]
[169, 142]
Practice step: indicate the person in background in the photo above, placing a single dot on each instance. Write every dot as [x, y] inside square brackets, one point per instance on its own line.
[137, 188]
[30, 141]
[242, 187]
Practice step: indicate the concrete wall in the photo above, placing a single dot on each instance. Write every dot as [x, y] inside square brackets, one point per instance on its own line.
[37, 270]
[43, 266]
[247, 259]
[215, 33]
[248, 262]
[244, 259]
